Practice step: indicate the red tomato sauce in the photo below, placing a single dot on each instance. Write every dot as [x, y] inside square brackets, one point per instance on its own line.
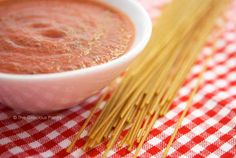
[48, 36]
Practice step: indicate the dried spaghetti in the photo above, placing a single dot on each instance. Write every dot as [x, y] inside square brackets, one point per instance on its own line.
[155, 77]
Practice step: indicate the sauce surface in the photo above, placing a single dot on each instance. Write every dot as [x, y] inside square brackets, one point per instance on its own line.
[47, 36]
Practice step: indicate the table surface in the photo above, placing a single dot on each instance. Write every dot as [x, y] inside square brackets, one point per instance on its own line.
[208, 130]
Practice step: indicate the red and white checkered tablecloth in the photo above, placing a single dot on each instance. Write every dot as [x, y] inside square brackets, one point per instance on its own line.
[209, 129]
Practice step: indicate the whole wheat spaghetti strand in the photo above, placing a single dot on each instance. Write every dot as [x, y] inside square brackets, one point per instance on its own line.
[111, 102]
[154, 118]
[77, 135]
[116, 133]
[137, 126]
[189, 104]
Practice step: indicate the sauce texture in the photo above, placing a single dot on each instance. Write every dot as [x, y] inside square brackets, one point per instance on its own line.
[48, 36]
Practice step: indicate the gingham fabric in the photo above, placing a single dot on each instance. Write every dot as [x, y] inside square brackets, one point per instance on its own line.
[208, 130]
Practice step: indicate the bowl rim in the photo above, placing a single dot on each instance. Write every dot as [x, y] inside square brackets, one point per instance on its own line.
[131, 53]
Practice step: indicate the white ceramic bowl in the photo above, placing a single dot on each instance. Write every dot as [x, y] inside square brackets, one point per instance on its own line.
[56, 91]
